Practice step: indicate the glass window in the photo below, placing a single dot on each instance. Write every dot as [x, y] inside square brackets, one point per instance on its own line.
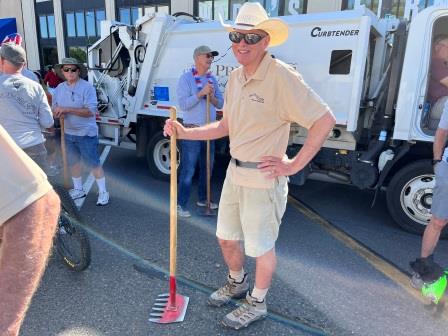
[235, 6]
[100, 16]
[350, 4]
[150, 9]
[90, 23]
[272, 7]
[125, 16]
[422, 4]
[140, 12]
[294, 7]
[372, 5]
[134, 14]
[50, 55]
[43, 26]
[163, 9]
[221, 7]
[80, 25]
[397, 8]
[340, 62]
[70, 21]
[51, 26]
[205, 9]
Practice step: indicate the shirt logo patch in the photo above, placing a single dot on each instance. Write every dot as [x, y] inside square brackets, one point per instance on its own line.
[16, 85]
[255, 98]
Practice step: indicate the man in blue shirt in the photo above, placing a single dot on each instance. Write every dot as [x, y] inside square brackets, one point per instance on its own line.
[192, 90]
[75, 100]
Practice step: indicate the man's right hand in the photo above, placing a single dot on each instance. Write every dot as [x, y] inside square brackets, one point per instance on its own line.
[208, 89]
[171, 125]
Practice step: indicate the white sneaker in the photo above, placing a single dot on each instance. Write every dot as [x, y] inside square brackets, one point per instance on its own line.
[103, 198]
[76, 193]
[213, 206]
[182, 212]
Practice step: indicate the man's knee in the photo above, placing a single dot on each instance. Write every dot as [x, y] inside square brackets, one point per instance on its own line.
[229, 244]
[438, 223]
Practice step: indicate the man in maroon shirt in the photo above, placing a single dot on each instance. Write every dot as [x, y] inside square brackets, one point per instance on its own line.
[51, 79]
[438, 82]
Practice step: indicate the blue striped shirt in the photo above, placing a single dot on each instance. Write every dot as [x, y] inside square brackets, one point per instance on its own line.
[194, 108]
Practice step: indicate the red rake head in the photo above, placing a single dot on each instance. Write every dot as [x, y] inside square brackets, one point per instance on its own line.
[167, 310]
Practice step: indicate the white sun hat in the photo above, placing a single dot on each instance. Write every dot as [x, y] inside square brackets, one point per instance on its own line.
[253, 16]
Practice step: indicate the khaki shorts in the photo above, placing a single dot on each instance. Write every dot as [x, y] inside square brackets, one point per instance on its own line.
[252, 215]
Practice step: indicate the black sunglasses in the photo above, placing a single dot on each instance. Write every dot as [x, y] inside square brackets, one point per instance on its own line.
[249, 38]
[69, 69]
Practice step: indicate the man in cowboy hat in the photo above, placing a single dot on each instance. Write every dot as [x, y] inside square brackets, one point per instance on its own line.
[75, 100]
[192, 90]
[262, 98]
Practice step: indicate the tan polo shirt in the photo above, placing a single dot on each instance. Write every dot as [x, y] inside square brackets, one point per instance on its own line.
[22, 182]
[259, 112]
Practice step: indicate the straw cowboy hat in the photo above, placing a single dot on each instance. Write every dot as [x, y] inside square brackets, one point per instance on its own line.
[71, 61]
[253, 16]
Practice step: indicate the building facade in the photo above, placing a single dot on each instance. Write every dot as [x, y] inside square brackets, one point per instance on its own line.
[54, 29]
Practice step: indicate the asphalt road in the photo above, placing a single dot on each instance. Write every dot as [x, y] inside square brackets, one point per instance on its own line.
[321, 287]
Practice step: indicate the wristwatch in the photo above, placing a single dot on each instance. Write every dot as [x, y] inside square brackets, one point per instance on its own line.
[434, 161]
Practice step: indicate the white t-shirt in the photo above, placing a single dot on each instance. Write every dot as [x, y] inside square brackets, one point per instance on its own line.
[22, 181]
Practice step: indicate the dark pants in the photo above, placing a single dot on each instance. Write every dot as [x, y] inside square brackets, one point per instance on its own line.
[193, 151]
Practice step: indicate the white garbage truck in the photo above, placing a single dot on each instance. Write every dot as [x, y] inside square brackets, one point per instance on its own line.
[372, 72]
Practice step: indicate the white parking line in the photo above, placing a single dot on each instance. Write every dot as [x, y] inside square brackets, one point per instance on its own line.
[91, 179]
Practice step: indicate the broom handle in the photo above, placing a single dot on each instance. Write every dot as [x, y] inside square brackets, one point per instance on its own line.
[173, 210]
[63, 152]
[208, 153]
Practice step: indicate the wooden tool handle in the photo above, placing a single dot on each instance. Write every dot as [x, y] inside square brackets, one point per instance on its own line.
[63, 152]
[208, 168]
[173, 196]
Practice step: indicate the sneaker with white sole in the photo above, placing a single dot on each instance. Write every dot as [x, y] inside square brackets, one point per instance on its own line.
[416, 281]
[181, 212]
[76, 193]
[231, 290]
[250, 311]
[103, 198]
[213, 206]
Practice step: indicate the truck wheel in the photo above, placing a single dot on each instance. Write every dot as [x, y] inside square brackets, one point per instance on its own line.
[158, 156]
[409, 197]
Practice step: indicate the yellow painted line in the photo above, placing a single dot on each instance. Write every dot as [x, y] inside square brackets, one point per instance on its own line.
[389, 270]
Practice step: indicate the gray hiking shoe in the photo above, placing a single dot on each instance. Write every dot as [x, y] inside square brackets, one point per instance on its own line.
[416, 281]
[250, 311]
[231, 290]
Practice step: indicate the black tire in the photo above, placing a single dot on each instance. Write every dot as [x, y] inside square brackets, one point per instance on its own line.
[409, 197]
[67, 203]
[72, 243]
[158, 156]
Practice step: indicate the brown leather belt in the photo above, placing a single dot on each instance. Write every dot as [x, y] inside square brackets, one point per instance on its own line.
[245, 164]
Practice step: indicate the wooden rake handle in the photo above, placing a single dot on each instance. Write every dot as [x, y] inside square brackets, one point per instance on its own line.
[63, 152]
[173, 196]
[208, 168]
